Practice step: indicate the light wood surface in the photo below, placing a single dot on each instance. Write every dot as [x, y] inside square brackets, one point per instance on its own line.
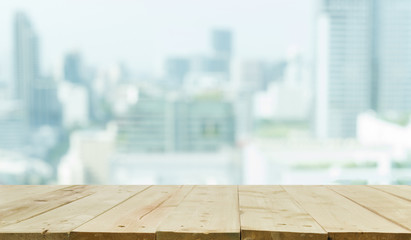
[392, 208]
[342, 218]
[401, 191]
[268, 211]
[205, 212]
[60, 221]
[10, 193]
[33, 205]
[136, 218]
[208, 212]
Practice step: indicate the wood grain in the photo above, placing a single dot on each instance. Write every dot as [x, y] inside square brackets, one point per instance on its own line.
[342, 218]
[59, 222]
[395, 209]
[205, 212]
[208, 212]
[269, 212]
[14, 212]
[135, 219]
[11, 193]
[401, 191]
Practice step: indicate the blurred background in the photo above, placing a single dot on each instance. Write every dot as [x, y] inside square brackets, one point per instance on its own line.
[205, 92]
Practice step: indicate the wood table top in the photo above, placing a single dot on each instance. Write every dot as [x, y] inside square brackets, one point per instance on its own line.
[269, 212]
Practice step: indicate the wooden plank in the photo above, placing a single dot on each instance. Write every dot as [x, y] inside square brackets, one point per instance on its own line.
[395, 209]
[269, 212]
[14, 212]
[59, 222]
[401, 191]
[207, 213]
[342, 218]
[135, 219]
[10, 193]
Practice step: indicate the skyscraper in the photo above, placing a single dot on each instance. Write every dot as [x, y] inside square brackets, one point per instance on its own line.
[166, 124]
[219, 62]
[222, 43]
[73, 68]
[393, 55]
[37, 95]
[12, 126]
[26, 60]
[176, 70]
[45, 109]
[343, 66]
[363, 62]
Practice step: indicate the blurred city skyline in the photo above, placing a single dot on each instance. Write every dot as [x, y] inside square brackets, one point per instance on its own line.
[150, 92]
[133, 32]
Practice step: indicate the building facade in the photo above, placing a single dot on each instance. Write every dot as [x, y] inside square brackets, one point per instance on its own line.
[363, 58]
[160, 124]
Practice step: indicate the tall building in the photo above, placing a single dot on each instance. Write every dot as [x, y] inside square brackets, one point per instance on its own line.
[176, 70]
[45, 108]
[145, 127]
[26, 59]
[37, 94]
[203, 125]
[13, 129]
[73, 68]
[25, 74]
[220, 60]
[222, 43]
[363, 58]
[161, 124]
[392, 42]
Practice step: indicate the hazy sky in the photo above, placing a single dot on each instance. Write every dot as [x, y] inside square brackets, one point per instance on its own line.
[142, 33]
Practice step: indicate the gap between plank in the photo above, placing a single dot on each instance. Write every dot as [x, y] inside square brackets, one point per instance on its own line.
[299, 204]
[108, 209]
[371, 210]
[238, 207]
[395, 195]
[38, 214]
